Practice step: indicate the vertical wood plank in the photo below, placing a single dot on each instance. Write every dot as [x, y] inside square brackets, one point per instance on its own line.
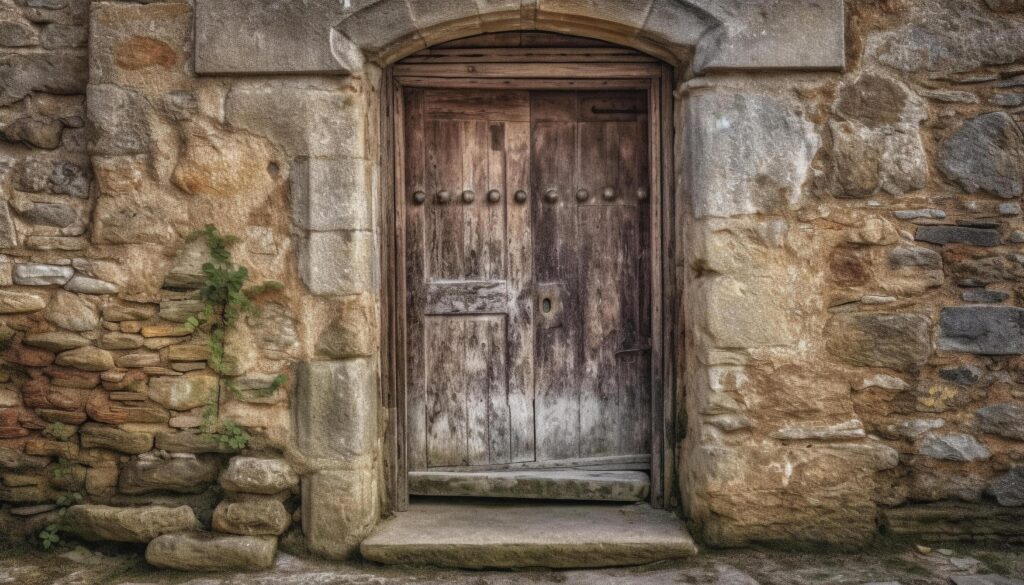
[415, 276]
[447, 440]
[520, 240]
[445, 248]
[553, 117]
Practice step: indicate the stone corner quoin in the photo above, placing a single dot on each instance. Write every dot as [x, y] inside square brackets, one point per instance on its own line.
[850, 247]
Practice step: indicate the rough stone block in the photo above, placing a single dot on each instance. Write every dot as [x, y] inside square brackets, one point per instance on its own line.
[203, 551]
[746, 153]
[183, 392]
[898, 341]
[331, 194]
[339, 263]
[954, 447]
[982, 330]
[747, 312]
[320, 122]
[181, 473]
[774, 34]
[339, 509]
[94, 435]
[12, 302]
[952, 234]
[336, 409]
[255, 36]
[128, 524]
[118, 119]
[254, 517]
[354, 332]
[985, 155]
[1004, 419]
[140, 45]
[253, 475]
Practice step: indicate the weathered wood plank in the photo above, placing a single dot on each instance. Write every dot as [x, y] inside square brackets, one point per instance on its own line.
[613, 463]
[465, 297]
[478, 105]
[521, 287]
[446, 401]
[414, 247]
[443, 150]
[477, 350]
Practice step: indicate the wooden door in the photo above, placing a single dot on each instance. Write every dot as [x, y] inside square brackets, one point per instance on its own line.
[527, 249]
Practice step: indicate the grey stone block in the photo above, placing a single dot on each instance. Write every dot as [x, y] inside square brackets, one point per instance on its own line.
[332, 194]
[747, 153]
[336, 409]
[256, 36]
[118, 119]
[955, 447]
[339, 263]
[1004, 419]
[954, 234]
[985, 154]
[774, 34]
[982, 330]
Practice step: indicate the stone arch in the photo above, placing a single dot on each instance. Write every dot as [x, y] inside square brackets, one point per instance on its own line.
[330, 36]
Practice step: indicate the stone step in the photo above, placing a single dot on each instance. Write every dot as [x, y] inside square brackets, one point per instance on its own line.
[606, 486]
[483, 534]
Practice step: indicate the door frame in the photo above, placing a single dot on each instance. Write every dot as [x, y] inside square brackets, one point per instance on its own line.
[568, 69]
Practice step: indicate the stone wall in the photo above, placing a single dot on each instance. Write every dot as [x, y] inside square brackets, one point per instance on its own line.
[852, 249]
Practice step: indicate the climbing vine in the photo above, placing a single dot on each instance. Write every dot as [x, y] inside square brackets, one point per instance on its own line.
[225, 300]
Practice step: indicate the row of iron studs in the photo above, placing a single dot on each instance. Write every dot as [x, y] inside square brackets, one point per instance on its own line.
[494, 196]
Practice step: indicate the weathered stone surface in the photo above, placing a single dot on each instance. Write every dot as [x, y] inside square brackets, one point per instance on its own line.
[334, 408]
[331, 194]
[55, 341]
[339, 263]
[747, 312]
[930, 485]
[14, 33]
[609, 486]
[118, 313]
[254, 517]
[182, 473]
[949, 234]
[949, 521]
[183, 392]
[52, 214]
[1005, 419]
[1008, 489]
[94, 435]
[59, 73]
[121, 341]
[201, 551]
[258, 476]
[984, 270]
[71, 312]
[137, 360]
[90, 286]
[42, 274]
[953, 447]
[986, 155]
[219, 163]
[180, 311]
[119, 121]
[965, 375]
[190, 442]
[12, 302]
[485, 536]
[106, 523]
[977, 295]
[353, 332]
[898, 341]
[38, 131]
[982, 330]
[749, 153]
[90, 359]
[339, 509]
[944, 36]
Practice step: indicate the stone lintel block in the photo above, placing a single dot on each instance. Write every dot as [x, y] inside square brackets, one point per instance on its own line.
[745, 152]
[339, 263]
[256, 36]
[327, 120]
[379, 27]
[623, 19]
[332, 194]
[775, 34]
[339, 509]
[747, 312]
[336, 409]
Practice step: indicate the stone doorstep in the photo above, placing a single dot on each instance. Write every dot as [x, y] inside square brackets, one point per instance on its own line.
[607, 486]
[504, 535]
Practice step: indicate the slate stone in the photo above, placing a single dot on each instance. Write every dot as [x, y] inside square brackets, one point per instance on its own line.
[1008, 489]
[965, 375]
[42, 274]
[142, 524]
[915, 257]
[203, 551]
[254, 475]
[982, 330]
[181, 473]
[885, 340]
[980, 295]
[985, 155]
[949, 234]
[953, 447]
[985, 270]
[1004, 419]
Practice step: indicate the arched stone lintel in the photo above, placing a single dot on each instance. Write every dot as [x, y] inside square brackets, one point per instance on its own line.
[320, 36]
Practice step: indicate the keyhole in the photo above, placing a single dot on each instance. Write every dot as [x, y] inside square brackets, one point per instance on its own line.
[545, 305]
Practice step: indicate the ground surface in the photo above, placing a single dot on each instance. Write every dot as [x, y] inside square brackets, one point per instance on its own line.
[886, 565]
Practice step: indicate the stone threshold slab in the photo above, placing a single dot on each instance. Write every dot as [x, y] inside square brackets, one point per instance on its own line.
[519, 534]
[606, 486]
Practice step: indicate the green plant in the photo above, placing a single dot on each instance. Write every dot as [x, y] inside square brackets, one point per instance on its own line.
[59, 431]
[225, 300]
[49, 537]
[62, 468]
